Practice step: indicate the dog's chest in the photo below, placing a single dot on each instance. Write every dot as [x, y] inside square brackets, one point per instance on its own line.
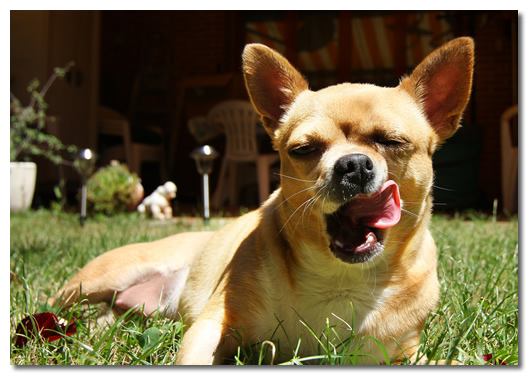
[332, 315]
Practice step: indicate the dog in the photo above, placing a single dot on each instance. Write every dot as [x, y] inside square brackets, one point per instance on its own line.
[344, 238]
[158, 204]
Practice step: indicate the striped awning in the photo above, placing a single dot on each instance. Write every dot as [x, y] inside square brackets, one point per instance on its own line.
[373, 40]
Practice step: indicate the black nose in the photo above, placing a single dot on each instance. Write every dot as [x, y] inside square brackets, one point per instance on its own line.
[354, 171]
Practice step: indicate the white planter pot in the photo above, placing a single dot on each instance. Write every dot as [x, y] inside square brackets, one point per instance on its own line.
[23, 179]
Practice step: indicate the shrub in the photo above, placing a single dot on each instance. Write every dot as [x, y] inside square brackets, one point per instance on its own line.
[112, 189]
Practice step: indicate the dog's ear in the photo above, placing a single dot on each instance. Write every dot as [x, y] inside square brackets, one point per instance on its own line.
[442, 84]
[272, 82]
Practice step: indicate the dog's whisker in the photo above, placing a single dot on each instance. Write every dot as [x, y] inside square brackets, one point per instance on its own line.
[443, 188]
[421, 217]
[314, 203]
[293, 214]
[293, 178]
[307, 204]
[411, 213]
[293, 195]
[392, 173]
[438, 229]
[301, 218]
[318, 194]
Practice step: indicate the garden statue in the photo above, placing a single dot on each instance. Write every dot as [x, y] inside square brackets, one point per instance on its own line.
[158, 203]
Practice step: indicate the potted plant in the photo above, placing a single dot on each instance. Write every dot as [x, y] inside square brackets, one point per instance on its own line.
[28, 139]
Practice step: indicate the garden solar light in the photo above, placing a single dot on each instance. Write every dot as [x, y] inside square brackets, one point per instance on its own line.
[84, 164]
[204, 156]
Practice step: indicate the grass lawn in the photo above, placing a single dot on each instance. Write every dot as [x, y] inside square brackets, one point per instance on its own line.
[476, 316]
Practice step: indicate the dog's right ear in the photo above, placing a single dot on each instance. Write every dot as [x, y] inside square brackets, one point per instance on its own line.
[272, 83]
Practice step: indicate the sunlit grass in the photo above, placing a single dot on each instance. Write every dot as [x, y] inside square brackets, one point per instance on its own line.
[477, 313]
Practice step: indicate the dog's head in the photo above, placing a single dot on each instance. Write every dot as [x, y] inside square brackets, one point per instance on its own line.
[355, 155]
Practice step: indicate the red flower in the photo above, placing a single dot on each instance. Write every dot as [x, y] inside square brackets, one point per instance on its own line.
[488, 357]
[44, 325]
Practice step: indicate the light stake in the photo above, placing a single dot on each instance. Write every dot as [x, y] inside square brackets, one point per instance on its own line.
[204, 156]
[84, 164]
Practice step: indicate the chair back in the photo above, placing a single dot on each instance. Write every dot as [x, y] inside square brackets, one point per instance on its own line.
[510, 159]
[506, 131]
[240, 121]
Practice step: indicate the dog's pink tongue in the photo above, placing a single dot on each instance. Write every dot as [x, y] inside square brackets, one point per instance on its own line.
[380, 210]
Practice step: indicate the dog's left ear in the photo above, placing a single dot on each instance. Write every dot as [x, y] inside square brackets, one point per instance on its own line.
[272, 83]
[442, 84]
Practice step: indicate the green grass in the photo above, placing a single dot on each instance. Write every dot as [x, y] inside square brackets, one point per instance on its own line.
[477, 313]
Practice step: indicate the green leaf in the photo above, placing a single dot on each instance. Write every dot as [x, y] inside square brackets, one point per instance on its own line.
[149, 339]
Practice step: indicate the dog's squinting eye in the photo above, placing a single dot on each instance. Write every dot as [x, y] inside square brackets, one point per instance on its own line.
[303, 150]
[390, 142]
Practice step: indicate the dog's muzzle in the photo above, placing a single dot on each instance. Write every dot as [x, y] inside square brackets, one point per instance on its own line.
[357, 228]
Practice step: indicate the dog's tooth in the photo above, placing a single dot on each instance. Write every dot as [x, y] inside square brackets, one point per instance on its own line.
[338, 243]
[371, 238]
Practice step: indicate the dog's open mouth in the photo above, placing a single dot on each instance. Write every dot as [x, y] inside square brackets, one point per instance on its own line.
[356, 230]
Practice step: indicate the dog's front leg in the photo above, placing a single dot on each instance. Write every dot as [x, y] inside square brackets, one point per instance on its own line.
[203, 343]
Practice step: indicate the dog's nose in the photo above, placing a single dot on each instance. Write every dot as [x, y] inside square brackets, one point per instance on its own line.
[356, 170]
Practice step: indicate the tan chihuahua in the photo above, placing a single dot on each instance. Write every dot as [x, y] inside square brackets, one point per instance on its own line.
[344, 239]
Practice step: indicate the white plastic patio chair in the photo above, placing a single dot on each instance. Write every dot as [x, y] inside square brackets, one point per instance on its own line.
[240, 121]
